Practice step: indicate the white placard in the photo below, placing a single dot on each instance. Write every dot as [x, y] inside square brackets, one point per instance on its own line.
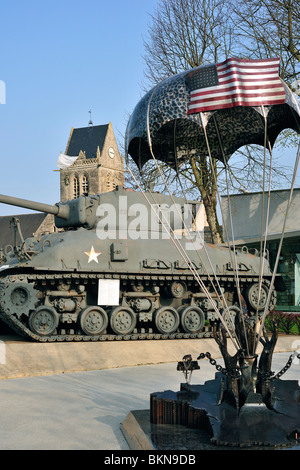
[108, 291]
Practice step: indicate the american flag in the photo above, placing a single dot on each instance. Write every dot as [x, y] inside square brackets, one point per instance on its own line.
[235, 82]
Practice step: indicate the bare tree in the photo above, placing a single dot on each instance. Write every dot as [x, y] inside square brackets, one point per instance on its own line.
[186, 34]
[189, 33]
[264, 29]
[270, 28]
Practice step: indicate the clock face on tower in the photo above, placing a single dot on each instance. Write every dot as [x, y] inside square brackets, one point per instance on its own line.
[111, 152]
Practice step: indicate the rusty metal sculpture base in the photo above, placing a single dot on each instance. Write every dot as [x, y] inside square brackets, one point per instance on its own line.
[198, 406]
[245, 405]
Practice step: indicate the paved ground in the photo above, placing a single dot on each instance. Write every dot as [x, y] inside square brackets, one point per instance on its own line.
[22, 358]
[84, 410]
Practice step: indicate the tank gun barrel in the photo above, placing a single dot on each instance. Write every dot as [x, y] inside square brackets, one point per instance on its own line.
[59, 210]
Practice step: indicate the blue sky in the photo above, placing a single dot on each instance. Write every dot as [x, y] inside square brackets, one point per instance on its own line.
[59, 59]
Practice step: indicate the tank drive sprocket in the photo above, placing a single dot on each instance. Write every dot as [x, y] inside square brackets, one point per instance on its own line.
[17, 296]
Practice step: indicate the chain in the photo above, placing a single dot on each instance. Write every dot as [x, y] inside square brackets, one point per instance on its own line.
[286, 367]
[235, 372]
[214, 363]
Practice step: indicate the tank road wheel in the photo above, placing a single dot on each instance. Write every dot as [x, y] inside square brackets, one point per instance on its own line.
[228, 315]
[192, 319]
[166, 320]
[44, 320]
[178, 289]
[252, 296]
[122, 320]
[93, 320]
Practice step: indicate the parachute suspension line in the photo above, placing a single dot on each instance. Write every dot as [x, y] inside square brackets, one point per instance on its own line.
[140, 144]
[235, 264]
[219, 293]
[185, 257]
[175, 154]
[196, 275]
[280, 246]
[234, 257]
[194, 220]
[264, 228]
[296, 165]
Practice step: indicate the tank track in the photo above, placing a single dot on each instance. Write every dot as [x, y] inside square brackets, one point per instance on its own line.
[18, 327]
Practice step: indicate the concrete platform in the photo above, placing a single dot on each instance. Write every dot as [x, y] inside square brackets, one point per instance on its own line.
[22, 358]
[84, 410]
[140, 434]
[68, 396]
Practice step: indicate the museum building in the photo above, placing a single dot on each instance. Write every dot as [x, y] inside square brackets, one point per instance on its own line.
[246, 214]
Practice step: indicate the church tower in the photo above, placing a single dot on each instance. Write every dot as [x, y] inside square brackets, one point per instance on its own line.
[98, 168]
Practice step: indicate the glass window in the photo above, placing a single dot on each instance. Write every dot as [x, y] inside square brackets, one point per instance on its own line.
[297, 279]
[108, 182]
[76, 187]
[85, 185]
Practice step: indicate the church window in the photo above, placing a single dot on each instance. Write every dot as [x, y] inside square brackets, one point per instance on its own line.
[85, 185]
[108, 182]
[76, 187]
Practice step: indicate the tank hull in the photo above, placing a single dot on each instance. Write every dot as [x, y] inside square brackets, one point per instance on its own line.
[120, 268]
[81, 288]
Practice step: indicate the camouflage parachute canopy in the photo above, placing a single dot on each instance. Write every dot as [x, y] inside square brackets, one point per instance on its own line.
[226, 102]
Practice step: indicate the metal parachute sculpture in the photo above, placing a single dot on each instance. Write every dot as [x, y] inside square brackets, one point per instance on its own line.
[228, 102]
[213, 110]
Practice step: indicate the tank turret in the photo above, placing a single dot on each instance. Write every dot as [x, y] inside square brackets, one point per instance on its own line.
[88, 211]
[75, 213]
[125, 265]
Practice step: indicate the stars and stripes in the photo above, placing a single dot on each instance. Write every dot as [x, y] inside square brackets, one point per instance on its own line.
[235, 82]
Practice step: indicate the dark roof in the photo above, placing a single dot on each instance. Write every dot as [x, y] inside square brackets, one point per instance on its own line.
[86, 139]
[29, 225]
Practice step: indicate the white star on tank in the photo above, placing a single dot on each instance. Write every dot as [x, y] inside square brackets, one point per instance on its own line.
[93, 255]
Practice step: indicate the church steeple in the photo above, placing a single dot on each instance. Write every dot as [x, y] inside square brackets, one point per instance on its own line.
[90, 121]
[99, 167]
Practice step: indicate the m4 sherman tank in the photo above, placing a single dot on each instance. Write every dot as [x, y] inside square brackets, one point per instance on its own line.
[123, 265]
